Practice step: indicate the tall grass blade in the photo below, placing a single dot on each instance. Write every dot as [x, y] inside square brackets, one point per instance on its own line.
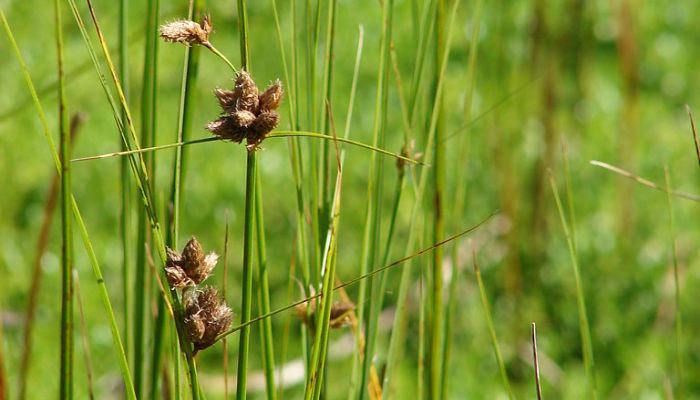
[148, 133]
[124, 181]
[492, 329]
[224, 342]
[586, 342]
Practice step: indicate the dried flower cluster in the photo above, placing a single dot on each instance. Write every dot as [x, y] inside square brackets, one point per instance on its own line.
[187, 32]
[206, 315]
[247, 113]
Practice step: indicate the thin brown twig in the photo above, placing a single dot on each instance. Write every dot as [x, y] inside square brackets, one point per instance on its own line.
[536, 362]
[695, 136]
[645, 182]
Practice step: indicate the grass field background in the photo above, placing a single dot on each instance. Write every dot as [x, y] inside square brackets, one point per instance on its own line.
[608, 81]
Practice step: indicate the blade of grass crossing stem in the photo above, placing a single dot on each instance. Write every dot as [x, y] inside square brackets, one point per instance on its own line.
[148, 129]
[677, 288]
[492, 329]
[249, 225]
[358, 279]
[139, 169]
[124, 182]
[275, 134]
[124, 367]
[372, 230]
[415, 212]
[583, 318]
[66, 370]
[266, 337]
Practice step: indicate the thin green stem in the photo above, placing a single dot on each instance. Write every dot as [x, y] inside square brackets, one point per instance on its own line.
[677, 287]
[372, 229]
[124, 182]
[66, 370]
[266, 336]
[249, 225]
[247, 278]
[492, 329]
[583, 317]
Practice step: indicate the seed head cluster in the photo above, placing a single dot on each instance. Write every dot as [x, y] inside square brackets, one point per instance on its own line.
[206, 317]
[206, 314]
[247, 113]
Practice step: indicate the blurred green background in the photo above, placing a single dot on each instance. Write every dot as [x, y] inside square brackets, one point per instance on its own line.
[610, 79]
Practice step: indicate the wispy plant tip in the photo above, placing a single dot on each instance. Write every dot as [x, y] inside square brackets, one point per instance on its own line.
[187, 32]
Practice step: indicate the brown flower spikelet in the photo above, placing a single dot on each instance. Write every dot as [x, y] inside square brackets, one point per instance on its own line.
[191, 267]
[270, 99]
[187, 32]
[247, 113]
[340, 314]
[206, 317]
[246, 93]
[227, 100]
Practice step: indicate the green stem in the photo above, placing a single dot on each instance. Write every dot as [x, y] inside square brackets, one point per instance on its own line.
[492, 330]
[247, 278]
[583, 317]
[677, 287]
[66, 370]
[264, 295]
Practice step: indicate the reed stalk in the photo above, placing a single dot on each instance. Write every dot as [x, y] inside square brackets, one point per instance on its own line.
[249, 225]
[66, 370]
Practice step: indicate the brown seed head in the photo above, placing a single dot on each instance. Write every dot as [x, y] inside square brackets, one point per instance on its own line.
[206, 317]
[270, 99]
[187, 32]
